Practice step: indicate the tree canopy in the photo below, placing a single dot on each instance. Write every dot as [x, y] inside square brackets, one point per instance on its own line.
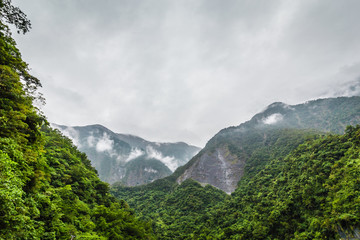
[48, 189]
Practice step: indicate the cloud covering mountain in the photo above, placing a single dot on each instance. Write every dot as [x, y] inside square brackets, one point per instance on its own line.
[128, 159]
[187, 67]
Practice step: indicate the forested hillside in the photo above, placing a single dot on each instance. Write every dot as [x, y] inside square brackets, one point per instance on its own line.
[48, 189]
[175, 210]
[245, 161]
[172, 214]
[311, 193]
[293, 182]
[221, 163]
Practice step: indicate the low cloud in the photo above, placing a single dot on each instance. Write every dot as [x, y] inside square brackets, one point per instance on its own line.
[150, 170]
[169, 161]
[70, 133]
[349, 89]
[199, 58]
[91, 141]
[273, 118]
[104, 144]
[135, 153]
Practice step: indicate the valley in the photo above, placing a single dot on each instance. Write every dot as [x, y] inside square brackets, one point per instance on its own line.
[258, 163]
[288, 172]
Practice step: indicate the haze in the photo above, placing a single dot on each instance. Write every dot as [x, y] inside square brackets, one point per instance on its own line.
[182, 70]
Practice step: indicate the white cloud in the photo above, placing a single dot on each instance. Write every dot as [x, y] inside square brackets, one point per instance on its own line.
[150, 170]
[91, 141]
[135, 153]
[105, 144]
[273, 118]
[286, 106]
[169, 161]
[70, 133]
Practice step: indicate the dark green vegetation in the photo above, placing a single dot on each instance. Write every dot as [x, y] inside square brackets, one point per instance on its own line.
[223, 161]
[48, 189]
[295, 184]
[311, 193]
[325, 115]
[285, 181]
[175, 206]
[177, 211]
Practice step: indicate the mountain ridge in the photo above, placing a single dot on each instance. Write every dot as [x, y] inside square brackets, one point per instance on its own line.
[111, 152]
[324, 115]
[289, 185]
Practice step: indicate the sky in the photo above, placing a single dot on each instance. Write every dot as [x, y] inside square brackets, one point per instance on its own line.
[172, 71]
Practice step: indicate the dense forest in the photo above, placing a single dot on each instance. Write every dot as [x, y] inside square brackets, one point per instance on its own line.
[297, 184]
[48, 189]
[311, 193]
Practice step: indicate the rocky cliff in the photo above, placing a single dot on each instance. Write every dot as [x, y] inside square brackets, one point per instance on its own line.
[218, 168]
[233, 152]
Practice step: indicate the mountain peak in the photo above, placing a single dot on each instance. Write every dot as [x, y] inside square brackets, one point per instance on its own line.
[126, 157]
[239, 144]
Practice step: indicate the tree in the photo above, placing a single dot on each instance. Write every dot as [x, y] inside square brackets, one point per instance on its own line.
[9, 54]
[14, 15]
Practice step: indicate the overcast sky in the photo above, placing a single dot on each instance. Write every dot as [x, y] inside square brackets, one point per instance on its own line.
[182, 70]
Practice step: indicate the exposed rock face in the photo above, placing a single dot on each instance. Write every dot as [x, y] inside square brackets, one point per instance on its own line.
[222, 162]
[143, 170]
[219, 168]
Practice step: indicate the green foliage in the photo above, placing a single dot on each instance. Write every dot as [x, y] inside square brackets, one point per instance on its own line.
[48, 189]
[181, 211]
[14, 15]
[9, 55]
[59, 195]
[313, 193]
[21, 165]
[259, 146]
[175, 210]
[18, 118]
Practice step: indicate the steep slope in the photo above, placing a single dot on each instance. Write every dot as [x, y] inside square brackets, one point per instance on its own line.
[128, 159]
[48, 189]
[174, 209]
[310, 193]
[226, 156]
[173, 155]
[180, 217]
[78, 201]
[143, 170]
[313, 193]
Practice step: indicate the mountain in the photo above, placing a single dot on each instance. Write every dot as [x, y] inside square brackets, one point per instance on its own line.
[128, 159]
[230, 153]
[290, 177]
[310, 193]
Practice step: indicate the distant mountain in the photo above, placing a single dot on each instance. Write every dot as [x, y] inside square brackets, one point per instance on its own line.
[240, 150]
[127, 159]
